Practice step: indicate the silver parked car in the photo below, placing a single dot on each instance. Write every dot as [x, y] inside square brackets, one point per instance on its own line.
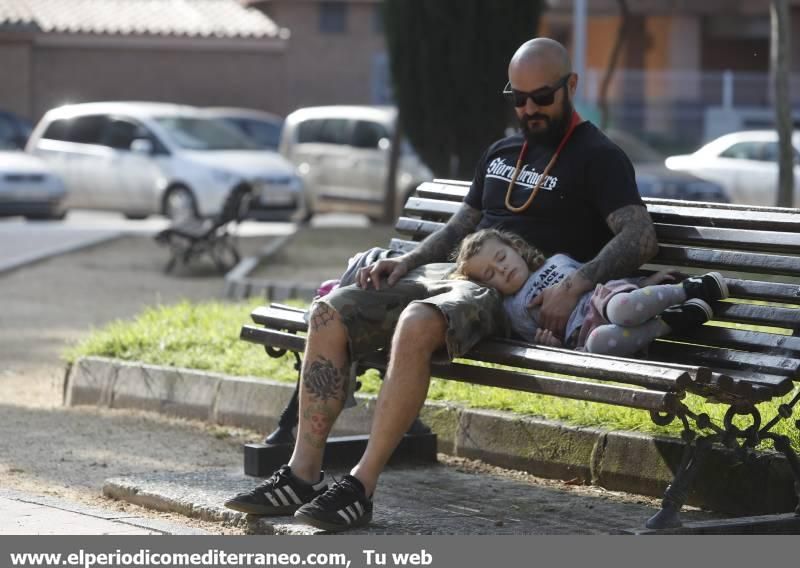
[148, 158]
[28, 187]
[744, 163]
[342, 154]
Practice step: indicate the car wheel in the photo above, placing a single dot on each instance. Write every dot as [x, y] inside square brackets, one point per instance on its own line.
[180, 204]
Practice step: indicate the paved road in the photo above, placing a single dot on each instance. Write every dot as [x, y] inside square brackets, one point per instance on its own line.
[23, 242]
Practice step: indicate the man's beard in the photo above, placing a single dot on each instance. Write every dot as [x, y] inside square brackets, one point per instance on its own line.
[555, 128]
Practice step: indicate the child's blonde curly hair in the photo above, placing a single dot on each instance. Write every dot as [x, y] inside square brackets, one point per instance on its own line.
[472, 244]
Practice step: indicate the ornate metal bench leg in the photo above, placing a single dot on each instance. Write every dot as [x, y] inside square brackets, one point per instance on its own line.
[288, 420]
[678, 491]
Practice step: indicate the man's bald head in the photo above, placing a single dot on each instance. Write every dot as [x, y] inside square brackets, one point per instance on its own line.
[540, 66]
[542, 54]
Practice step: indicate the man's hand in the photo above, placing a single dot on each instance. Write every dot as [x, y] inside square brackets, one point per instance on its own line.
[393, 269]
[546, 337]
[557, 303]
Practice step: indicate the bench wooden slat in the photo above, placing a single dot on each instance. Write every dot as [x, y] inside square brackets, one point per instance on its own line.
[754, 314]
[748, 218]
[403, 245]
[431, 208]
[280, 317]
[744, 340]
[578, 364]
[766, 291]
[736, 207]
[434, 190]
[746, 383]
[739, 239]
[721, 358]
[528, 382]
[737, 261]
[519, 355]
[417, 229]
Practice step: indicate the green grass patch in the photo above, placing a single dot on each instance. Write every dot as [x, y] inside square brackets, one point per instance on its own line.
[206, 336]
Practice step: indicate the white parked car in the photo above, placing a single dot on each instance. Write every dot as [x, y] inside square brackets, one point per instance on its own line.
[28, 187]
[744, 163]
[148, 158]
[342, 154]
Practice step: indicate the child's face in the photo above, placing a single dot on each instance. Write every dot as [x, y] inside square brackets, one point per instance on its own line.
[498, 266]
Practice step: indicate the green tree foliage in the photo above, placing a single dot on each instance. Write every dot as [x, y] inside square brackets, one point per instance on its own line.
[449, 61]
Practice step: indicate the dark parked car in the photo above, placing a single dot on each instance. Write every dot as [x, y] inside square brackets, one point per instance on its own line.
[656, 180]
[14, 131]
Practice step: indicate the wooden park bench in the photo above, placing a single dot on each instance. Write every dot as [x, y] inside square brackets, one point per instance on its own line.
[193, 237]
[756, 248]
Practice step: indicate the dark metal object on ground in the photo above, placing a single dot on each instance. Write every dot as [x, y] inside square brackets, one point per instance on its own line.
[191, 238]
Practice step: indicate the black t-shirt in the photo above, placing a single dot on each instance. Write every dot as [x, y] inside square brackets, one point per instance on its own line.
[591, 179]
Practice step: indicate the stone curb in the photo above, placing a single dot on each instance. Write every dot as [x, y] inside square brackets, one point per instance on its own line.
[124, 490]
[621, 461]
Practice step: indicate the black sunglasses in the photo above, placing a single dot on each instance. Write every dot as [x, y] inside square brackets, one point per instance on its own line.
[540, 97]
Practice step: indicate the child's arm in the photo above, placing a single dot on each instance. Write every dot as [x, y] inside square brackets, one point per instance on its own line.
[546, 337]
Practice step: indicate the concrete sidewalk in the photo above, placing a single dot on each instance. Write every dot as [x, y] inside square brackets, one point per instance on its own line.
[24, 513]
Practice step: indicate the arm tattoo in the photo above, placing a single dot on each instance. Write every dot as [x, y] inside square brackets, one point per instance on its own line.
[324, 381]
[438, 246]
[634, 244]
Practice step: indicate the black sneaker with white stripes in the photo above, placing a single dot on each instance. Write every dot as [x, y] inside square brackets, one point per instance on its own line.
[344, 506]
[281, 494]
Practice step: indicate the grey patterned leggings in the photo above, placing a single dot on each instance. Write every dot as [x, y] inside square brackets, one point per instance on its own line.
[633, 319]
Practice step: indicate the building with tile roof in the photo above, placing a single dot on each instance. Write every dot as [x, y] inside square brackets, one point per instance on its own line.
[204, 52]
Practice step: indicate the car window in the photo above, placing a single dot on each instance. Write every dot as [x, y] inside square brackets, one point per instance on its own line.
[265, 134]
[195, 133]
[308, 131]
[771, 152]
[7, 134]
[120, 134]
[367, 134]
[743, 151]
[323, 131]
[57, 130]
[87, 129]
[333, 131]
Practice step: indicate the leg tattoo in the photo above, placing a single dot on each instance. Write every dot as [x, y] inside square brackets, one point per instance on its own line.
[323, 314]
[320, 419]
[324, 381]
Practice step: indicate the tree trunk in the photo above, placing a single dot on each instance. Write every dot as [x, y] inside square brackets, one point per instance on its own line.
[779, 69]
[619, 43]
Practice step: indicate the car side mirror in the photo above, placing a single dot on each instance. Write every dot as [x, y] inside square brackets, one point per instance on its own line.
[142, 146]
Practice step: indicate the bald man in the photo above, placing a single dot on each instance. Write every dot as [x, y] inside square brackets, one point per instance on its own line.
[561, 184]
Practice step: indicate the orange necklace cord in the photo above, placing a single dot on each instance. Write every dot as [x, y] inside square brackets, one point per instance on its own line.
[575, 121]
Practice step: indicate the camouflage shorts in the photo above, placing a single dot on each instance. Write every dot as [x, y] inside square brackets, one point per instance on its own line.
[472, 312]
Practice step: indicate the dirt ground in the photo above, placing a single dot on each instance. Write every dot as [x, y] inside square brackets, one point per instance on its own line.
[47, 449]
